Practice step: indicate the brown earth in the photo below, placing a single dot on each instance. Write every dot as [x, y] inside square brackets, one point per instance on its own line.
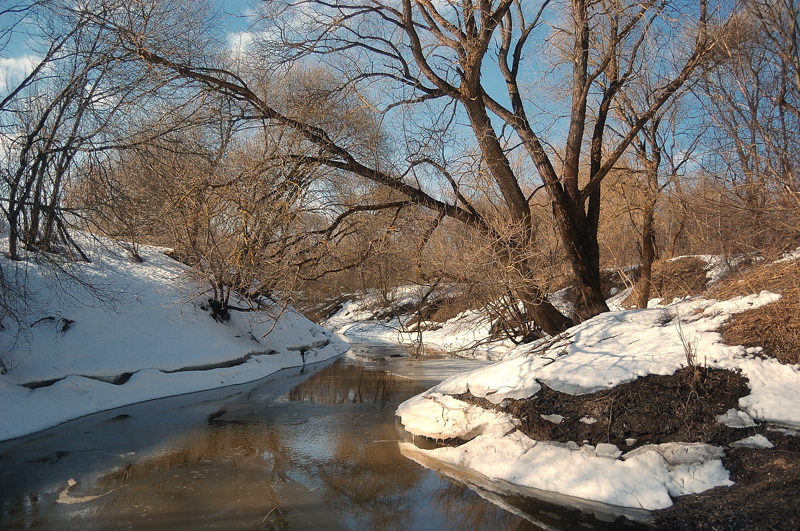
[764, 496]
[679, 408]
[653, 409]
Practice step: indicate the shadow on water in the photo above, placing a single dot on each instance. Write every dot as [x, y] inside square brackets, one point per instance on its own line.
[317, 449]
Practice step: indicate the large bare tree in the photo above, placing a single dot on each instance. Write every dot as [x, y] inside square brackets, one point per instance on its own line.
[477, 60]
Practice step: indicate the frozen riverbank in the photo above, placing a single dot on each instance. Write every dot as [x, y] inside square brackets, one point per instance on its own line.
[98, 335]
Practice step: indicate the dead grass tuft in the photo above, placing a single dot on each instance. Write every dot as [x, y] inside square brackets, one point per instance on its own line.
[774, 327]
[675, 279]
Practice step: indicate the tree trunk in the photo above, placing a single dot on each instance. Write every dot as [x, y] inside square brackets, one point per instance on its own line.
[579, 237]
[648, 255]
[544, 314]
[519, 245]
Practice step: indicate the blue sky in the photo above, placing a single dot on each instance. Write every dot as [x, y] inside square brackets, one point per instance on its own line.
[18, 52]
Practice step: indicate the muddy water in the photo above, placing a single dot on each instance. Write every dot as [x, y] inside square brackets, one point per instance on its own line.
[304, 449]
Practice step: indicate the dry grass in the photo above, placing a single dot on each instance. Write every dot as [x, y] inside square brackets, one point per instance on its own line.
[675, 279]
[683, 277]
[779, 277]
[776, 326]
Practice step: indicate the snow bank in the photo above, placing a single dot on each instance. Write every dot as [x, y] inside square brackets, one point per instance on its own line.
[645, 478]
[608, 350]
[465, 334]
[614, 348]
[147, 337]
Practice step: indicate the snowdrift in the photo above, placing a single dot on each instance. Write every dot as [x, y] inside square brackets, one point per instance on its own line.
[609, 350]
[111, 332]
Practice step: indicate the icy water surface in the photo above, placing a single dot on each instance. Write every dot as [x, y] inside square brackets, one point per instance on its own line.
[315, 448]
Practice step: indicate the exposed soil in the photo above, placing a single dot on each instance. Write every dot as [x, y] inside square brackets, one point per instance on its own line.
[682, 407]
[652, 410]
[767, 483]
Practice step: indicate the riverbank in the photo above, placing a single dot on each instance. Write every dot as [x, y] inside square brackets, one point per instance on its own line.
[374, 317]
[638, 409]
[306, 448]
[91, 336]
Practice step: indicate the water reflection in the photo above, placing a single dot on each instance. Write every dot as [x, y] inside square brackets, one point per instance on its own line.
[316, 450]
[312, 449]
[347, 383]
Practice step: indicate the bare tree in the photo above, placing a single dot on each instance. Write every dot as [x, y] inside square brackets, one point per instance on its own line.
[753, 99]
[662, 150]
[420, 53]
[81, 100]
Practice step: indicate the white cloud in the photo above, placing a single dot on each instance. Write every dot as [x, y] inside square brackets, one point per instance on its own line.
[239, 43]
[14, 69]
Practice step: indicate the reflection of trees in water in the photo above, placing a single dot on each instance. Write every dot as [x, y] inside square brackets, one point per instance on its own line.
[370, 479]
[289, 465]
[237, 467]
[340, 383]
[461, 507]
[366, 476]
[215, 476]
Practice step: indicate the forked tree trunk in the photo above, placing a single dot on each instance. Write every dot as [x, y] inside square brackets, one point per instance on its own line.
[578, 234]
[544, 314]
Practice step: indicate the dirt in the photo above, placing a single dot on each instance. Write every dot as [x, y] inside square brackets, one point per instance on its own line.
[682, 407]
[763, 497]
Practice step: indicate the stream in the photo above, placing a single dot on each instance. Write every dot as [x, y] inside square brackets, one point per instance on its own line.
[310, 448]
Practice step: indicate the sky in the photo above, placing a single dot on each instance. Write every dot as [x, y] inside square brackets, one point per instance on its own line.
[18, 53]
[545, 103]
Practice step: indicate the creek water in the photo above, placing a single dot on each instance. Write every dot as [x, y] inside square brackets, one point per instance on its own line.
[311, 448]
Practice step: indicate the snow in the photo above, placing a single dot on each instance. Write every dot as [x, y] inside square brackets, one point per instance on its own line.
[446, 417]
[617, 347]
[147, 326]
[754, 441]
[789, 256]
[466, 334]
[645, 478]
[608, 350]
[718, 267]
[555, 418]
[734, 418]
[152, 337]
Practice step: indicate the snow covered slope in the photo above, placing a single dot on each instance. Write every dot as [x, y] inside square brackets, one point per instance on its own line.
[603, 352]
[147, 337]
[467, 334]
